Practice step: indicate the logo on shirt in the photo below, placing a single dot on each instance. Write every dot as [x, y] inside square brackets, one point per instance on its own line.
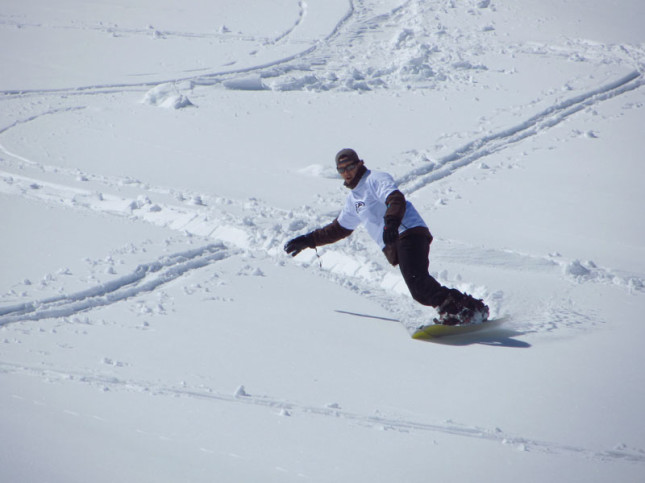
[360, 206]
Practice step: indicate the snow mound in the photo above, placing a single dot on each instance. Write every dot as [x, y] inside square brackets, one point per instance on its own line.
[166, 95]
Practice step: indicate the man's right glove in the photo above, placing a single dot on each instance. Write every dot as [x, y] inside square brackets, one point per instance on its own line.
[298, 244]
[391, 230]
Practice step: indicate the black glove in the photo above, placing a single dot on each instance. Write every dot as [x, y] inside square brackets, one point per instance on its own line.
[391, 230]
[298, 244]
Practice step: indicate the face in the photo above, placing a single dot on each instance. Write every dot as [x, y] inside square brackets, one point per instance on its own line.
[347, 169]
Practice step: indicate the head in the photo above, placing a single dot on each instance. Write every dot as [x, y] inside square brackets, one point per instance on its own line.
[347, 164]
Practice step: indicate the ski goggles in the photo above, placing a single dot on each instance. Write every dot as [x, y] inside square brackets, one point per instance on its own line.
[349, 167]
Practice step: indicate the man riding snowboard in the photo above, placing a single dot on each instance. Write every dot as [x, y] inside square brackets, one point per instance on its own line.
[396, 226]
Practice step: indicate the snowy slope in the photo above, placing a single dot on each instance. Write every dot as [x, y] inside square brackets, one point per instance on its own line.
[154, 159]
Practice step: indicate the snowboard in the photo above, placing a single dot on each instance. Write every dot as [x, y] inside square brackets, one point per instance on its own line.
[434, 331]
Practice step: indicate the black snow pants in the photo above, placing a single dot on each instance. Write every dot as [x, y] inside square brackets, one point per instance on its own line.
[413, 250]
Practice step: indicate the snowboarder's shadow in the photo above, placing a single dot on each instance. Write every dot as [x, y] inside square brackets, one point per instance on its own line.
[496, 337]
[356, 314]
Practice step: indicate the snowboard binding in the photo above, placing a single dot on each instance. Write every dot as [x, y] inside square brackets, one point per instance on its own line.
[461, 309]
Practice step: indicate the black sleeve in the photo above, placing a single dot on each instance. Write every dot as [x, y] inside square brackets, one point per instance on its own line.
[330, 233]
[395, 205]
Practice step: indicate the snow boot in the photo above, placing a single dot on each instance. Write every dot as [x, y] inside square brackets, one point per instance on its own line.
[459, 309]
[450, 308]
[474, 311]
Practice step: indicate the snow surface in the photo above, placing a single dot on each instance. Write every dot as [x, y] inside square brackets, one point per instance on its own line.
[154, 158]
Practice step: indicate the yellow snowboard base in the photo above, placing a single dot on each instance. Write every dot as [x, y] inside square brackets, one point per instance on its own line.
[433, 331]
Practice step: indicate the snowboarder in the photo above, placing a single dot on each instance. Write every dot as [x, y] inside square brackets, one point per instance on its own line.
[395, 225]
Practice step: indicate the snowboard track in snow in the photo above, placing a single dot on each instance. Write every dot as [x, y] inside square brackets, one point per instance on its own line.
[145, 278]
[285, 408]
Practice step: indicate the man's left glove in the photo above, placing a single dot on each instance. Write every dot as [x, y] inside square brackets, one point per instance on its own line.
[391, 230]
[298, 244]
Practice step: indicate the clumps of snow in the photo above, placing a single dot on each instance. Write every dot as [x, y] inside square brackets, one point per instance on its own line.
[197, 200]
[166, 95]
[297, 225]
[419, 55]
[465, 65]
[586, 134]
[156, 34]
[111, 362]
[635, 284]
[248, 270]
[142, 202]
[240, 392]
[247, 83]
[321, 81]
[578, 270]
[588, 271]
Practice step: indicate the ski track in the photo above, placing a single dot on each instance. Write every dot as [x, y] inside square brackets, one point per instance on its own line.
[145, 278]
[302, 12]
[33, 118]
[158, 33]
[284, 408]
[209, 79]
[475, 150]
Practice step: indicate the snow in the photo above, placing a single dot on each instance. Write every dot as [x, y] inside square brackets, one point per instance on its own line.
[156, 156]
